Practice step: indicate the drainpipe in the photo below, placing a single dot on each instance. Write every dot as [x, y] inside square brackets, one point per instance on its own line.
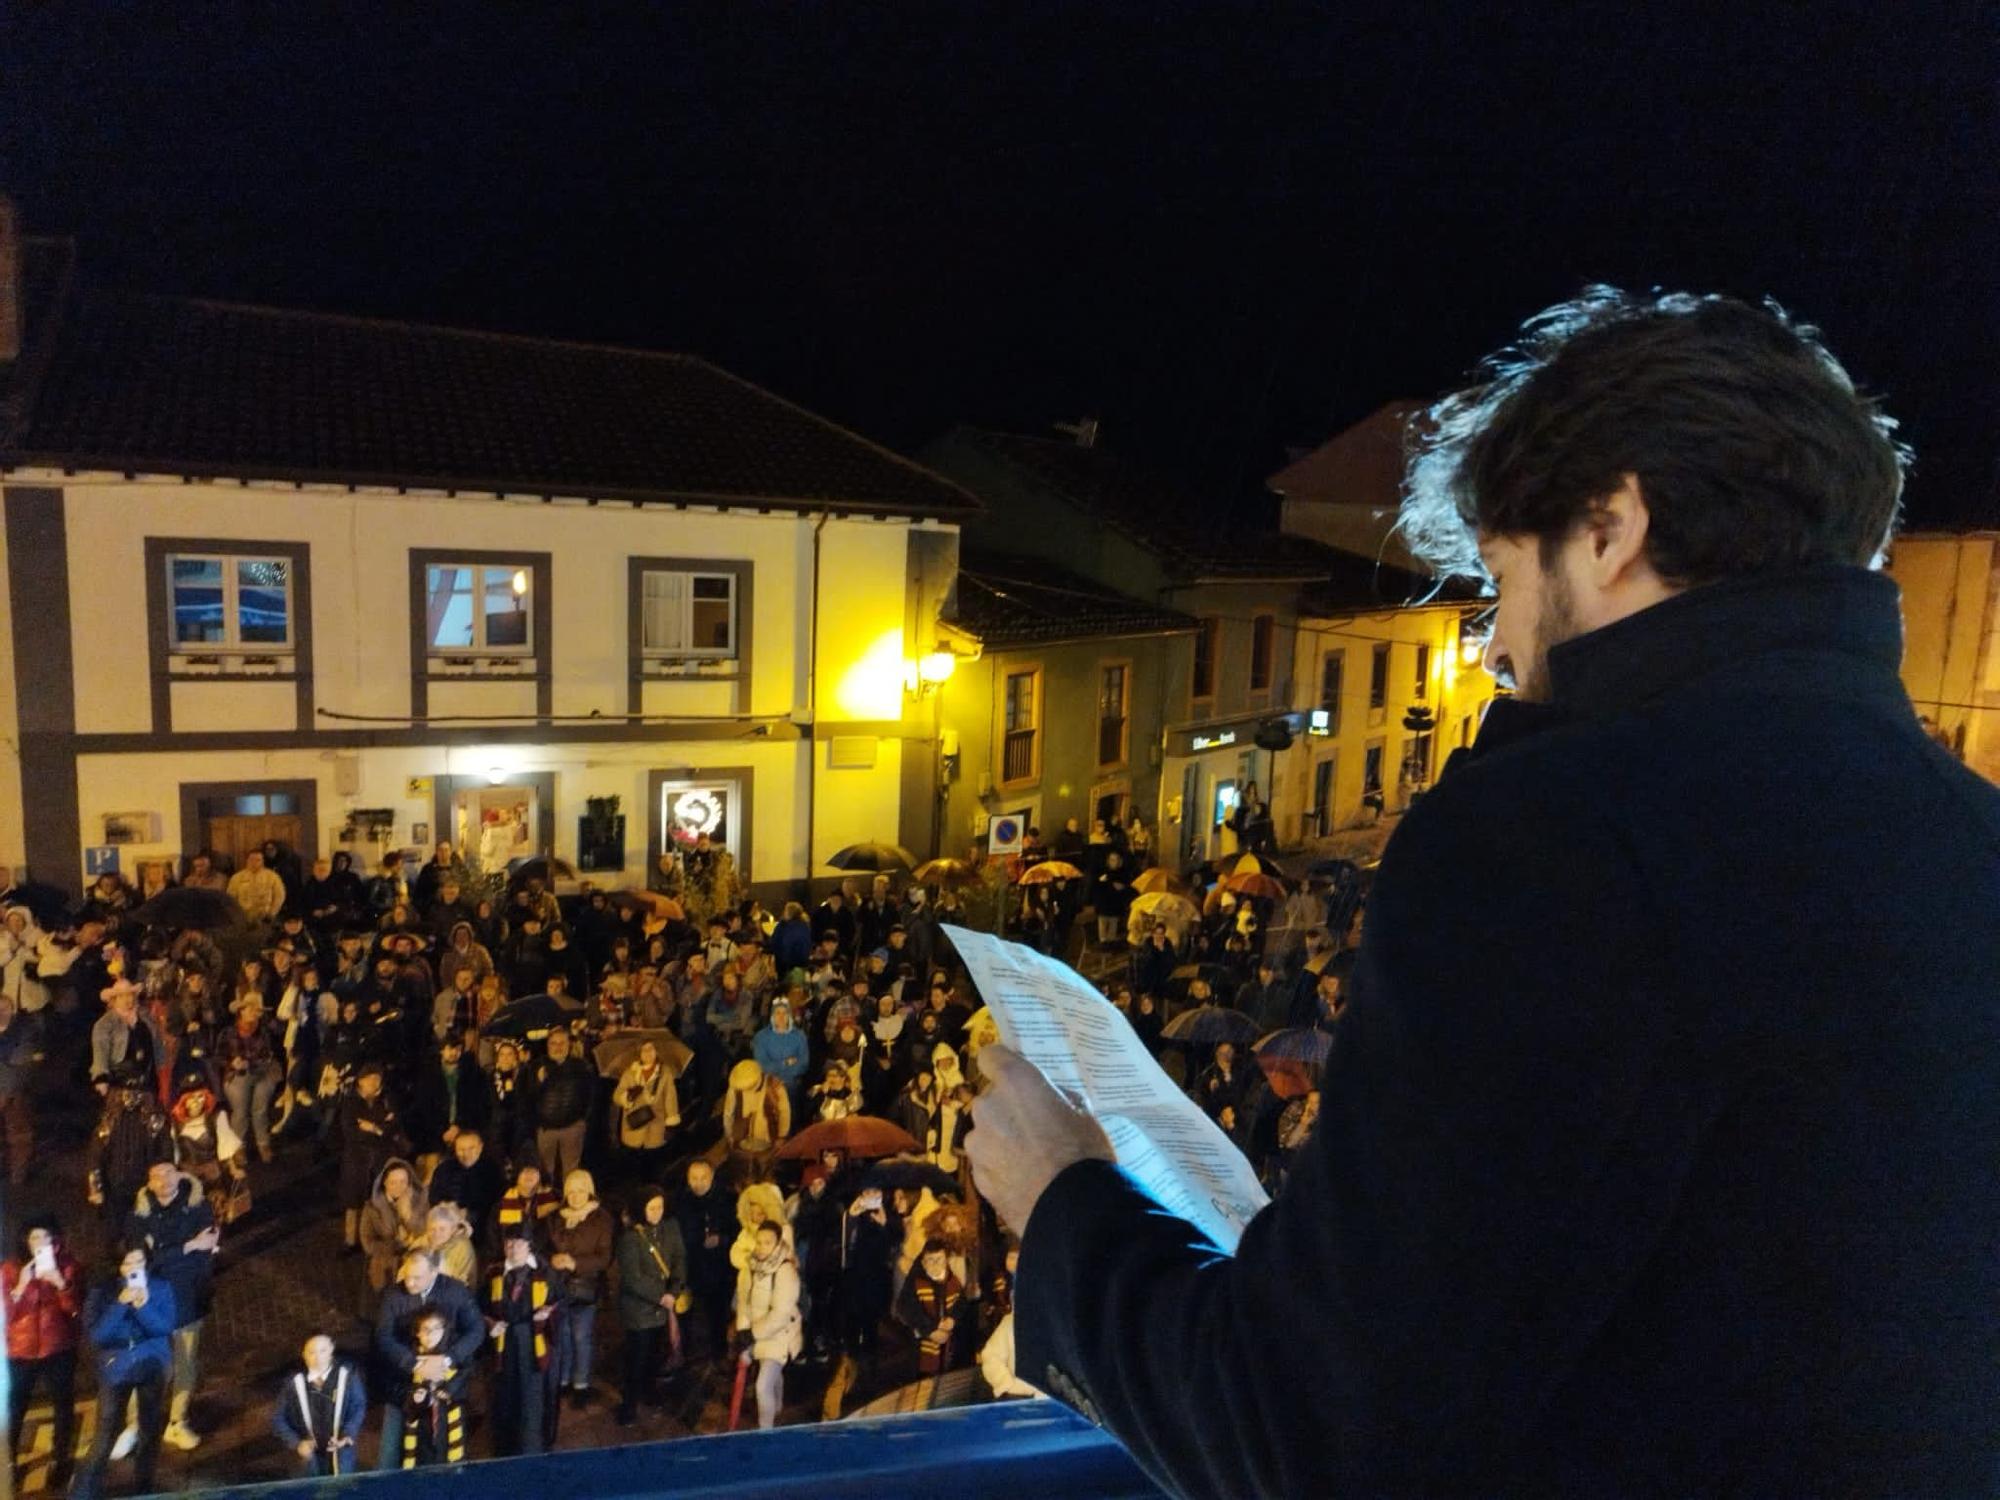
[812, 706]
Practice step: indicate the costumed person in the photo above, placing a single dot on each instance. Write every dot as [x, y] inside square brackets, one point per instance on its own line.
[756, 1118]
[126, 1054]
[758, 1204]
[207, 1148]
[393, 1223]
[371, 1132]
[579, 1236]
[252, 1053]
[838, 1091]
[521, 1311]
[652, 1293]
[130, 1318]
[648, 1107]
[434, 1409]
[320, 1410]
[523, 1206]
[953, 1124]
[42, 1292]
[768, 1325]
[932, 1306]
[916, 1106]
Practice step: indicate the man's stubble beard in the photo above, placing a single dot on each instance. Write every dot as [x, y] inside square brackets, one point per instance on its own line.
[1555, 622]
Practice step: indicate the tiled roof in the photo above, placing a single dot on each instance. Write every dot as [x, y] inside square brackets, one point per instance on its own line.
[177, 386]
[1361, 466]
[1010, 600]
[1197, 537]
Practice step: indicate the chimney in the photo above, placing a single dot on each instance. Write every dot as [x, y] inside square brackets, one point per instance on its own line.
[1084, 431]
[10, 283]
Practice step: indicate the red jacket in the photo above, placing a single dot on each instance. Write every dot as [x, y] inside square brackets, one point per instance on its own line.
[44, 1321]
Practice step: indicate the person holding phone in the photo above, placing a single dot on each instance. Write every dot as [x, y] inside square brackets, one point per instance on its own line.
[131, 1320]
[41, 1288]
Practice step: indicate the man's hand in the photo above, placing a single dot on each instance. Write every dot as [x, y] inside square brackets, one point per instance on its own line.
[305, 1448]
[1024, 1134]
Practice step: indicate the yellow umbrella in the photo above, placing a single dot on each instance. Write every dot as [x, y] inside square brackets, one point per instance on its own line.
[1168, 905]
[946, 872]
[1050, 871]
[1155, 881]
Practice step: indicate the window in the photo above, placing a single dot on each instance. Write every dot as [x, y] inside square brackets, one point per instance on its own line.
[1378, 678]
[1204, 658]
[1263, 631]
[1020, 755]
[1371, 771]
[688, 614]
[1332, 668]
[479, 607]
[1417, 759]
[1423, 684]
[1112, 683]
[229, 603]
[1321, 816]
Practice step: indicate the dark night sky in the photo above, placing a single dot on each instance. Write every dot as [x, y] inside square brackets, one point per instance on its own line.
[1223, 229]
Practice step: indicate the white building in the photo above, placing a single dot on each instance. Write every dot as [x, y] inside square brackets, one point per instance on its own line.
[361, 584]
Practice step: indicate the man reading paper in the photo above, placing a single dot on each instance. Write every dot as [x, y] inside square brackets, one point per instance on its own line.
[1656, 1146]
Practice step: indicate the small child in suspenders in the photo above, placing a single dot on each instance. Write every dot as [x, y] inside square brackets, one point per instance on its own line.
[434, 1411]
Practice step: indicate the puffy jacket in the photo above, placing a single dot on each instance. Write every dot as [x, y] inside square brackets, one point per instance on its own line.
[164, 1229]
[562, 1092]
[781, 1054]
[43, 1320]
[131, 1341]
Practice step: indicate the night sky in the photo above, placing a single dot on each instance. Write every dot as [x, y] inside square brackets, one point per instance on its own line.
[1222, 229]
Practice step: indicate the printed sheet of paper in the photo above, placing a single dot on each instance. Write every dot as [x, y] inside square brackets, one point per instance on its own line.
[1051, 1015]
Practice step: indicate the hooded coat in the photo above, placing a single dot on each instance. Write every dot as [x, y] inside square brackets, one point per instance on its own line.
[387, 1230]
[164, 1229]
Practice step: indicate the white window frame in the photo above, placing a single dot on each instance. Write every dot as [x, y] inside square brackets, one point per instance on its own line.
[232, 621]
[690, 653]
[479, 572]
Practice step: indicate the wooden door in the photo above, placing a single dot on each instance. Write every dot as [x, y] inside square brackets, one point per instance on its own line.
[233, 836]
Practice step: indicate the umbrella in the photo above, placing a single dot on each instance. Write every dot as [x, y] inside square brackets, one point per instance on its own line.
[46, 904]
[1219, 976]
[1157, 881]
[877, 857]
[546, 866]
[1206, 1025]
[652, 903]
[530, 1018]
[946, 872]
[1049, 871]
[1255, 883]
[1304, 1044]
[1167, 905]
[857, 1135]
[902, 1172]
[618, 1051]
[190, 906]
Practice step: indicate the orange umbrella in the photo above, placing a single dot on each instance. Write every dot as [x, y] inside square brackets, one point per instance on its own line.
[946, 872]
[1156, 880]
[857, 1135]
[1252, 883]
[652, 903]
[1049, 871]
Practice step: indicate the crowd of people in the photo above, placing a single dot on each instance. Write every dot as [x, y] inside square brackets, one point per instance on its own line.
[554, 1117]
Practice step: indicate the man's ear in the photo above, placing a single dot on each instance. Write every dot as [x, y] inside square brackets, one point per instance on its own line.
[1617, 526]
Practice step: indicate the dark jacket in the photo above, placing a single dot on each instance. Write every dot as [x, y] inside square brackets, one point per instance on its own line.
[304, 1410]
[431, 1103]
[590, 1244]
[562, 1092]
[1656, 1142]
[699, 1219]
[475, 1188]
[164, 1229]
[396, 1334]
[131, 1342]
[652, 1263]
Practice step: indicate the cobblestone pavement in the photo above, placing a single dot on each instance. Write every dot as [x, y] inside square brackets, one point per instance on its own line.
[282, 1276]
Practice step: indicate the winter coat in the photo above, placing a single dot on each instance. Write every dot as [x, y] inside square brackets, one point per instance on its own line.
[563, 1092]
[337, 1407]
[756, 1116]
[710, 1216]
[1666, 1077]
[767, 1307]
[458, 1257]
[363, 1152]
[20, 1050]
[652, 1263]
[44, 1320]
[660, 1093]
[385, 1232]
[164, 1230]
[259, 892]
[434, 1108]
[475, 1188]
[781, 1054]
[590, 1243]
[396, 1334]
[791, 944]
[132, 1342]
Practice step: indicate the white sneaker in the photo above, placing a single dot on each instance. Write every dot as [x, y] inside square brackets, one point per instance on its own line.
[181, 1436]
[127, 1441]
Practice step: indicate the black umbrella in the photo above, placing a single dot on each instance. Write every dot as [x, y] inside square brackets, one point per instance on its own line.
[46, 904]
[531, 1018]
[547, 866]
[188, 906]
[877, 857]
[1221, 979]
[903, 1172]
[1207, 1025]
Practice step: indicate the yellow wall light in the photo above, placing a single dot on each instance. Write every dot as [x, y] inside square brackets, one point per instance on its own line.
[936, 667]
